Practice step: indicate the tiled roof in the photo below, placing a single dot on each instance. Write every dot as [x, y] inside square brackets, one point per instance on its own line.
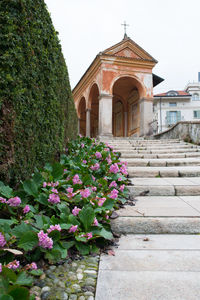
[170, 94]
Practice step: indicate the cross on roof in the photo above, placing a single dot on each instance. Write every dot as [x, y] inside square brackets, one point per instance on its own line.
[125, 25]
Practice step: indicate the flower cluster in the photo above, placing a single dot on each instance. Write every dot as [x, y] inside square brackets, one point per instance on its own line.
[54, 198]
[76, 179]
[16, 201]
[73, 228]
[95, 167]
[54, 227]
[44, 240]
[114, 168]
[85, 193]
[75, 211]
[98, 155]
[13, 265]
[114, 194]
[26, 209]
[2, 240]
[52, 184]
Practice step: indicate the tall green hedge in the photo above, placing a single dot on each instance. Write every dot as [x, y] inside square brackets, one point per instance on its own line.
[37, 113]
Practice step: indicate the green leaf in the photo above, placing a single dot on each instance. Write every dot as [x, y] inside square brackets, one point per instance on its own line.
[53, 255]
[9, 274]
[55, 235]
[81, 239]
[6, 297]
[73, 220]
[106, 234]
[24, 279]
[86, 216]
[30, 188]
[19, 230]
[63, 208]
[37, 178]
[28, 240]
[67, 245]
[65, 226]
[84, 249]
[57, 171]
[21, 293]
[5, 221]
[6, 191]
[42, 198]
[37, 272]
[108, 204]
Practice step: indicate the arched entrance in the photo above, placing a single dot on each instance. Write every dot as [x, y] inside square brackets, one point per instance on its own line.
[82, 116]
[118, 117]
[126, 111]
[94, 113]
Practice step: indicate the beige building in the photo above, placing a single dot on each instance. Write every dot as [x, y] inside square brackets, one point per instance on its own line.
[115, 95]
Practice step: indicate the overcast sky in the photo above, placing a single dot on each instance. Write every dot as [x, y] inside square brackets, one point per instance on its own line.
[169, 30]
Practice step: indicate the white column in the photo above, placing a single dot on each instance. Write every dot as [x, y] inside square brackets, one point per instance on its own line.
[125, 123]
[88, 122]
[146, 115]
[105, 115]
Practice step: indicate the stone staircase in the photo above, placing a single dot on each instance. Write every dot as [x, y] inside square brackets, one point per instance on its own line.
[158, 258]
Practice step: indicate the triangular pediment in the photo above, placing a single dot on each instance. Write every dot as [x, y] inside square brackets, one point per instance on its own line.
[129, 49]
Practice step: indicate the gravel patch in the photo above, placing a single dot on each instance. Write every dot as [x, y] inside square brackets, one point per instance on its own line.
[72, 280]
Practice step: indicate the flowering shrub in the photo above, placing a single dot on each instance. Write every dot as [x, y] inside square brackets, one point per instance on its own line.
[66, 204]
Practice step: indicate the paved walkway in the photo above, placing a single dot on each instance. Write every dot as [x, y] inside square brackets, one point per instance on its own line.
[159, 256]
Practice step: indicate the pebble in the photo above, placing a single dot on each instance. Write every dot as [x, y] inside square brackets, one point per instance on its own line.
[71, 280]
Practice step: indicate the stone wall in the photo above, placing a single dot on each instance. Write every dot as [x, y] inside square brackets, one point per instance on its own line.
[185, 130]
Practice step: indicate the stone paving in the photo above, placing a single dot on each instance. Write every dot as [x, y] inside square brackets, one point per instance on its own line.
[159, 256]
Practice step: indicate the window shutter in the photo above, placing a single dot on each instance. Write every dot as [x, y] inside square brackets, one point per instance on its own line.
[178, 116]
[168, 117]
[198, 114]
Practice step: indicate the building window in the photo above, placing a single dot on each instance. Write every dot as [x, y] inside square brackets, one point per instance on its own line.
[172, 117]
[172, 93]
[172, 104]
[196, 114]
[195, 97]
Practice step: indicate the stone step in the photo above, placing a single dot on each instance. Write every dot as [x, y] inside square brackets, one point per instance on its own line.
[164, 147]
[163, 151]
[163, 162]
[168, 155]
[179, 171]
[165, 186]
[160, 214]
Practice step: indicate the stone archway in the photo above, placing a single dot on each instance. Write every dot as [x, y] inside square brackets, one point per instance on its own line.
[127, 114]
[82, 116]
[94, 110]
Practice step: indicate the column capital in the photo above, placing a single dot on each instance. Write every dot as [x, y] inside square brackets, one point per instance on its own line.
[105, 96]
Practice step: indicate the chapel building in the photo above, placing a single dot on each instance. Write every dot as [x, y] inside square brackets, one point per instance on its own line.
[114, 98]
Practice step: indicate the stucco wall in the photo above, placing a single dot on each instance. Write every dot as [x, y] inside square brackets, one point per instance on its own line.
[188, 131]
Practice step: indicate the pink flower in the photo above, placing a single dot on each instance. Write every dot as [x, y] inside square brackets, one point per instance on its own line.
[84, 161]
[2, 240]
[69, 190]
[113, 184]
[13, 265]
[82, 145]
[123, 170]
[44, 240]
[0, 267]
[66, 149]
[16, 201]
[89, 235]
[122, 187]
[76, 179]
[65, 170]
[95, 167]
[114, 168]
[107, 217]
[101, 201]
[109, 160]
[26, 209]
[31, 266]
[44, 184]
[75, 211]
[119, 179]
[93, 178]
[73, 228]
[85, 193]
[95, 223]
[2, 200]
[54, 227]
[114, 194]
[106, 149]
[54, 191]
[98, 155]
[53, 198]
[94, 188]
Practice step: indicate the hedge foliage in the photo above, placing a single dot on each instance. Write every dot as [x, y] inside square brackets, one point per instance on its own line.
[37, 113]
